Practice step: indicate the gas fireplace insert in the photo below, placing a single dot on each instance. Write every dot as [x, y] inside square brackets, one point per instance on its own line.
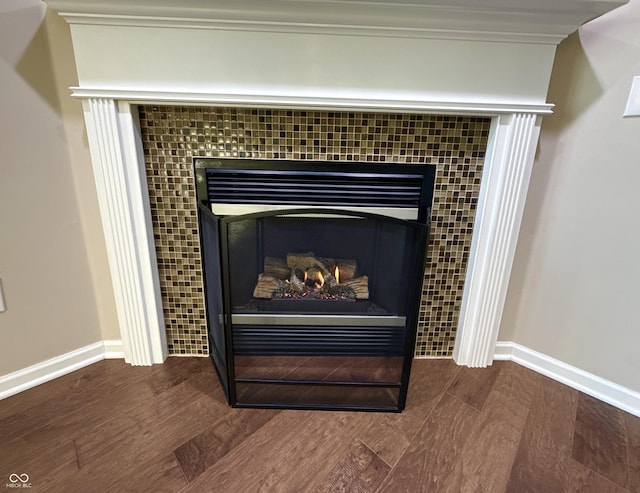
[313, 274]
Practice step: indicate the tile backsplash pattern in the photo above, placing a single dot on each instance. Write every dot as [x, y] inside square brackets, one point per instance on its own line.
[173, 135]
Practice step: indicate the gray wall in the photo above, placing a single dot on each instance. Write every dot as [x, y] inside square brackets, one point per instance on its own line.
[574, 293]
[46, 272]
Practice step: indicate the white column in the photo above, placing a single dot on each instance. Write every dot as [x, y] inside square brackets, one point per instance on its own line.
[509, 160]
[118, 166]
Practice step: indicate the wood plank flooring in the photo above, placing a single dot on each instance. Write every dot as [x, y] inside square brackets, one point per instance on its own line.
[113, 427]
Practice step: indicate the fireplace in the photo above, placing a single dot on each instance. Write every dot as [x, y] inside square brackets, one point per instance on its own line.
[312, 276]
[173, 136]
[480, 59]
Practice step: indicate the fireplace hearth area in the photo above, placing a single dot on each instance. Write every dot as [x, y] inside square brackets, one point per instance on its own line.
[292, 328]
[173, 136]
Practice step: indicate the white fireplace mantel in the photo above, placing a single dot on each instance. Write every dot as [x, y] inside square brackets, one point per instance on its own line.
[542, 21]
[487, 57]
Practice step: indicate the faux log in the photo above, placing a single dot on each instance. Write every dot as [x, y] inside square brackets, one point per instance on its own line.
[296, 279]
[348, 269]
[276, 267]
[301, 271]
[330, 281]
[314, 277]
[360, 286]
[266, 286]
[308, 260]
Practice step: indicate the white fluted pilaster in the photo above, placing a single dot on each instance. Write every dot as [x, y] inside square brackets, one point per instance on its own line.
[116, 156]
[509, 160]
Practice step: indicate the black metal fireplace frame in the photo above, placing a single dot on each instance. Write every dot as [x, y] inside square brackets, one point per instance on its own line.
[226, 371]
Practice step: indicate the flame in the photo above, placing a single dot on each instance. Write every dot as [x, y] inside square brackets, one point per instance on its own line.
[336, 274]
[321, 277]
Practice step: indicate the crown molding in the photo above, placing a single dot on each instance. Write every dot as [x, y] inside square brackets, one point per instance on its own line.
[432, 32]
[519, 21]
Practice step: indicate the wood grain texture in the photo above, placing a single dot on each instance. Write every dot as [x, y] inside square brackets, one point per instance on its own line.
[113, 427]
[356, 369]
[472, 385]
[368, 369]
[311, 440]
[632, 424]
[634, 480]
[324, 368]
[541, 463]
[67, 400]
[175, 371]
[485, 462]
[389, 435]
[58, 419]
[600, 439]
[435, 450]
[308, 368]
[267, 366]
[126, 431]
[585, 480]
[43, 467]
[204, 449]
[85, 380]
[143, 434]
[360, 471]
[160, 475]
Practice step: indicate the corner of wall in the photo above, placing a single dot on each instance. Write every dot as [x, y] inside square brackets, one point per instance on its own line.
[617, 395]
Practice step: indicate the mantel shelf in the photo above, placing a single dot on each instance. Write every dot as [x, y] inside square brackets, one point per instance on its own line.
[543, 21]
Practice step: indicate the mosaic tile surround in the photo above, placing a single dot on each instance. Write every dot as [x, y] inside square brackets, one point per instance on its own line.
[173, 135]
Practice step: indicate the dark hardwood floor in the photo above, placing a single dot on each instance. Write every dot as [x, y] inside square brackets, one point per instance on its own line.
[113, 427]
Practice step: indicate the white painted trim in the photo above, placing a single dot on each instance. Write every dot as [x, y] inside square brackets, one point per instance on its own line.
[503, 352]
[307, 102]
[633, 103]
[503, 191]
[52, 368]
[116, 157]
[621, 397]
[140, 208]
[113, 349]
[486, 32]
[514, 21]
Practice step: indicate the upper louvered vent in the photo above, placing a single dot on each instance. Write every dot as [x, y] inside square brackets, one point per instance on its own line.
[234, 187]
[308, 188]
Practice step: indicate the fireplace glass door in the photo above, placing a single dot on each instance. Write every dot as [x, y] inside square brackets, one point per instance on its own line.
[321, 307]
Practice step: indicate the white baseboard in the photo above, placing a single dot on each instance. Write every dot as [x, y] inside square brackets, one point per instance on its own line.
[113, 349]
[621, 397]
[56, 367]
[504, 351]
